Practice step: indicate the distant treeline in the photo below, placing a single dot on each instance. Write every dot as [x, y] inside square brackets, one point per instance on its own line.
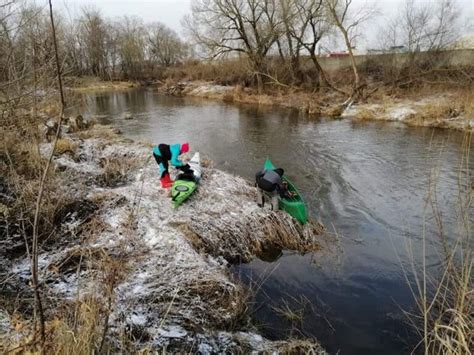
[272, 40]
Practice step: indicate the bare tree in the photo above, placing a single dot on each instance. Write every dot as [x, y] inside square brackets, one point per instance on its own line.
[307, 26]
[249, 27]
[93, 35]
[131, 46]
[348, 19]
[288, 47]
[74, 49]
[421, 27]
[165, 46]
[113, 48]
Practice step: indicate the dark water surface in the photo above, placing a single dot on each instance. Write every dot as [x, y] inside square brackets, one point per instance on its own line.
[366, 181]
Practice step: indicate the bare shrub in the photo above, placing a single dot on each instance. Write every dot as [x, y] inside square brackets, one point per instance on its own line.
[223, 72]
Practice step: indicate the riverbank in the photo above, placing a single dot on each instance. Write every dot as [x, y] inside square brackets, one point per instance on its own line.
[124, 262]
[435, 108]
[453, 110]
[93, 84]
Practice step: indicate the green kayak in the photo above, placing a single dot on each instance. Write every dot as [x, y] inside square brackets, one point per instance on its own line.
[294, 206]
[183, 188]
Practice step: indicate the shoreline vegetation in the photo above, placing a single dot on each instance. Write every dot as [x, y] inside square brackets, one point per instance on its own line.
[160, 276]
[452, 109]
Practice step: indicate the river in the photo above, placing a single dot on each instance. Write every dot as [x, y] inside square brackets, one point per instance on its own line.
[367, 182]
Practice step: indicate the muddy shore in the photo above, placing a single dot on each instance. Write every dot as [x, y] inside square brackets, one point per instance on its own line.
[172, 288]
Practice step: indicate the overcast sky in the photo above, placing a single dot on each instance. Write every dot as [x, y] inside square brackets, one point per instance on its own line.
[170, 12]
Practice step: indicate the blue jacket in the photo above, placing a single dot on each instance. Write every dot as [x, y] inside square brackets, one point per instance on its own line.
[175, 150]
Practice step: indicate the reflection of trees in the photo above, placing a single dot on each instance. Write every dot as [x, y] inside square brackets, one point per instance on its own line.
[135, 100]
[104, 104]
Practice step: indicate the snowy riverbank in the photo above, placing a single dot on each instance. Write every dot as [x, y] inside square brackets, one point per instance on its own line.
[452, 110]
[172, 287]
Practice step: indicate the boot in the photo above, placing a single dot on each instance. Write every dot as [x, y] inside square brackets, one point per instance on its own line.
[275, 206]
[166, 181]
[260, 198]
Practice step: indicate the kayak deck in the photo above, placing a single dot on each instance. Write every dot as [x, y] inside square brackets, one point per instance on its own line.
[181, 191]
[294, 206]
[183, 188]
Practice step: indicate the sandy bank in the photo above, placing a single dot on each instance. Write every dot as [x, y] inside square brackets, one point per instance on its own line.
[172, 286]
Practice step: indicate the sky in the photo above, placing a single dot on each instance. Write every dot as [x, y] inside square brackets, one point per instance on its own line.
[171, 12]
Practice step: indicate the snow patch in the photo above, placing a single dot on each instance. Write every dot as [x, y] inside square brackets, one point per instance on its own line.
[400, 113]
[5, 323]
[209, 89]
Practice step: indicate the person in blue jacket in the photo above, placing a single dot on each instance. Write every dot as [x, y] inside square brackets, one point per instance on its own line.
[165, 153]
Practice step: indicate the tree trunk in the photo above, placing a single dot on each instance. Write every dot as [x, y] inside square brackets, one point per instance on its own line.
[259, 83]
[259, 70]
[351, 54]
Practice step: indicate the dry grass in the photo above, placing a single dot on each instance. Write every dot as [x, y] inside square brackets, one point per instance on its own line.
[289, 313]
[273, 229]
[454, 107]
[116, 170]
[295, 346]
[84, 326]
[332, 111]
[99, 131]
[206, 162]
[280, 90]
[445, 301]
[20, 155]
[224, 72]
[92, 84]
[365, 114]
[21, 173]
[228, 98]
[65, 145]
[447, 315]
[81, 332]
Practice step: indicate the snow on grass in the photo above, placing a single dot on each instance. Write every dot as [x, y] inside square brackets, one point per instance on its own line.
[400, 113]
[177, 288]
[4, 323]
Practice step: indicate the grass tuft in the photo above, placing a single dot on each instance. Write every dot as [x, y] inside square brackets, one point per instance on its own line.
[64, 146]
[116, 170]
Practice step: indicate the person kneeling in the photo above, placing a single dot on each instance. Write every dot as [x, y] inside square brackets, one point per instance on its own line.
[271, 182]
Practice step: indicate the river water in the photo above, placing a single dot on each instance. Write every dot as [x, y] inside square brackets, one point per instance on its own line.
[366, 182]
